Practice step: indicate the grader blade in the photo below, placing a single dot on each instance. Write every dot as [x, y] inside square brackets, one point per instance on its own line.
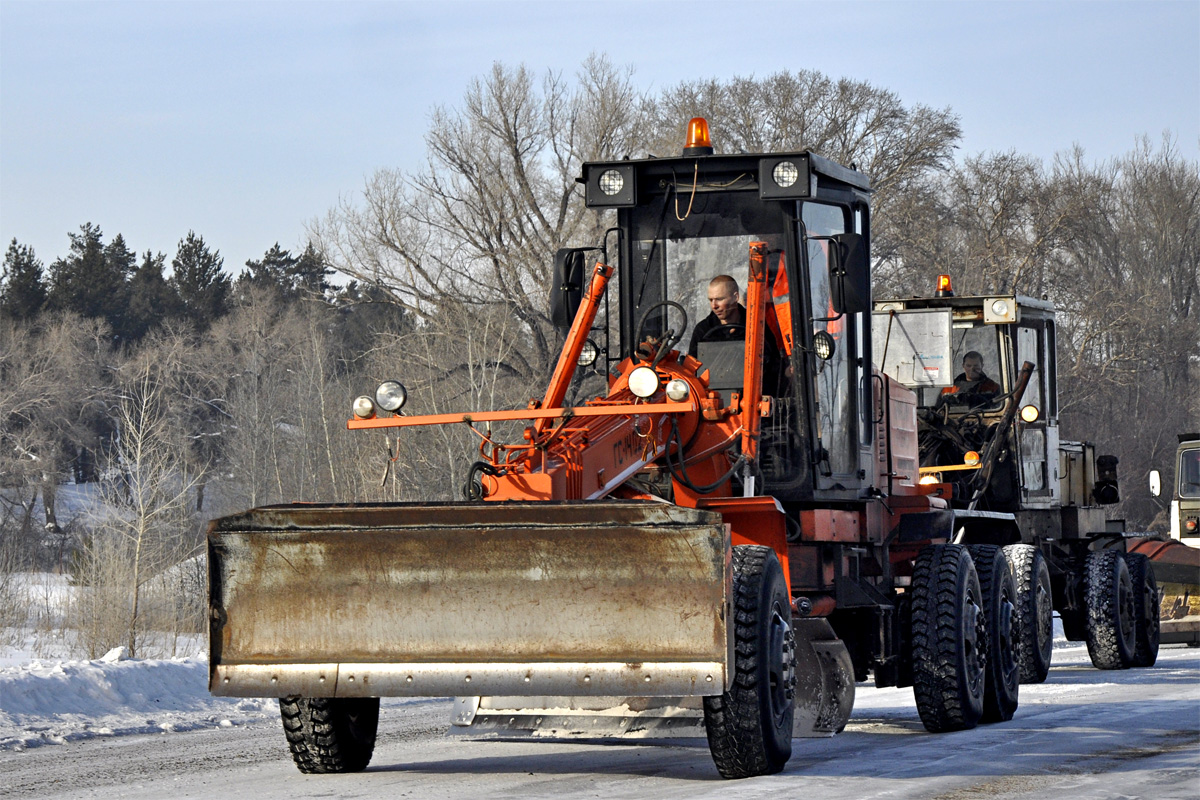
[503, 599]
[579, 717]
[824, 700]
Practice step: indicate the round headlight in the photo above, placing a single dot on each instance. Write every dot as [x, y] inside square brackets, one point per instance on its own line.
[929, 479]
[643, 382]
[589, 354]
[391, 396]
[611, 182]
[364, 408]
[785, 174]
[823, 345]
[1030, 413]
[677, 390]
[1000, 308]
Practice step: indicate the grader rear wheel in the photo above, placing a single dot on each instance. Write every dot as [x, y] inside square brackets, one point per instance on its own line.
[949, 639]
[1033, 622]
[750, 725]
[1003, 676]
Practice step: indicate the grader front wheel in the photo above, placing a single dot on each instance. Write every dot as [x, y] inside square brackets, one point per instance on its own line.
[1146, 611]
[1111, 616]
[1033, 622]
[750, 725]
[328, 734]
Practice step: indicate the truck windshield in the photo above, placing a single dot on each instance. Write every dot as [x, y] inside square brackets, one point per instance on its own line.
[1189, 473]
[674, 259]
[974, 347]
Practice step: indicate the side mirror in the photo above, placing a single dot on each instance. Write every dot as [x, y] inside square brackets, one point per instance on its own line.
[566, 285]
[849, 274]
[1155, 482]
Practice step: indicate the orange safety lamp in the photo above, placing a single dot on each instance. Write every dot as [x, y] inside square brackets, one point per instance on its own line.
[698, 141]
[944, 289]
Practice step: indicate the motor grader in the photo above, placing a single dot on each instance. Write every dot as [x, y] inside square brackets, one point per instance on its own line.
[724, 541]
[1016, 483]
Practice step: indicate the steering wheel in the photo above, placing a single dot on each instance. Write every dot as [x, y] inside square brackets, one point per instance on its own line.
[669, 338]
[732, 326]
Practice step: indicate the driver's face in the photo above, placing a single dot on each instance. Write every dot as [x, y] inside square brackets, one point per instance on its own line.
[723, 302]
[972, 369]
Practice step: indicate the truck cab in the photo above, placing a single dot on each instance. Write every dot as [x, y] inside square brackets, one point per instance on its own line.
[922, 342]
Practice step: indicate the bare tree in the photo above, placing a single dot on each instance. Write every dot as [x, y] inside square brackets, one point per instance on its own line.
[1128, 278]
[143, 524]
[474, 234]
[995, 221]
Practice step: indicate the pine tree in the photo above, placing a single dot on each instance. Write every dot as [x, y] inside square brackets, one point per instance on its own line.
[152, 300]
[112, 285]
[91, 280]
[22, 284]
[198, 278]
[274, 271]
[72, 278]
[310, 272]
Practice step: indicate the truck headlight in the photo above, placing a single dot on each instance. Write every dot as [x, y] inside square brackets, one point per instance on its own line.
[823, 345]
[391, 396]
[785, 174]
[677, 390]
[589, 354]
[364, 407]
[643, 382]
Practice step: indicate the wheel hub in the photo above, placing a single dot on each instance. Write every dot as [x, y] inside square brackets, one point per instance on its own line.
[782, 666]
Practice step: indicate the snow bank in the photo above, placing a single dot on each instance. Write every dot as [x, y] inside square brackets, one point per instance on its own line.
[54, 702]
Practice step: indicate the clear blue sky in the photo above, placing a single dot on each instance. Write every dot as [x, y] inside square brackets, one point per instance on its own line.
[244, 120]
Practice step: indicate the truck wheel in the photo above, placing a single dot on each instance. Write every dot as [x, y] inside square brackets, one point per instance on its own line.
[1111, 618]
[1033, 622]
[1146, 611]
[330, 734]
[949, 639]
[750, 725]
[1002, 677]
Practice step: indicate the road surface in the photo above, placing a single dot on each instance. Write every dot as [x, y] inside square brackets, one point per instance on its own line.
[1083, 734]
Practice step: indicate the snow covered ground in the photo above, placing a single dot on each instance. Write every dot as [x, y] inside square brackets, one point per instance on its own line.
[48, 698]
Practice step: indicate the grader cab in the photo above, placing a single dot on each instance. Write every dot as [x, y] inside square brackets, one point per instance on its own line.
[721, 542]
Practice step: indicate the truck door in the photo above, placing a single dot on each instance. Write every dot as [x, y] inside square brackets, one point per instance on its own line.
[836, 380]
[1039, 439]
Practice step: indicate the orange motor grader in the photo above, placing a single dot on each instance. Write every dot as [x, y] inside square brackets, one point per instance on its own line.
[731, 536]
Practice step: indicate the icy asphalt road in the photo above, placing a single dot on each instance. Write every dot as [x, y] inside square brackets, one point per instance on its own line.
[1083, 734]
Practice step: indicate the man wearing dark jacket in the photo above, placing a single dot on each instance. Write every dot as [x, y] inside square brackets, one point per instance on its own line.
[972, 379]
[727, 322]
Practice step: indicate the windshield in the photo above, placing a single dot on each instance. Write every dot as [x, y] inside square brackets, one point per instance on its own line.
[1189, 473]
[675, 259]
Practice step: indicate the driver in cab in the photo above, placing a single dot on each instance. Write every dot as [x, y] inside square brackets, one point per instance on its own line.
[726, 322]
[971, 381]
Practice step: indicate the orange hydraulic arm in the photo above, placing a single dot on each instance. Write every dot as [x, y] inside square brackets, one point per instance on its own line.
[756, 310]
[576, 337]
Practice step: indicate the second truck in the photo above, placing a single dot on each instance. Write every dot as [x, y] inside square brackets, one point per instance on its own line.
[731, 538]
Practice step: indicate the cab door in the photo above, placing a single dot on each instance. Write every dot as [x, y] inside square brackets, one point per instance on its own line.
[1038, 439]
[837, 379]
